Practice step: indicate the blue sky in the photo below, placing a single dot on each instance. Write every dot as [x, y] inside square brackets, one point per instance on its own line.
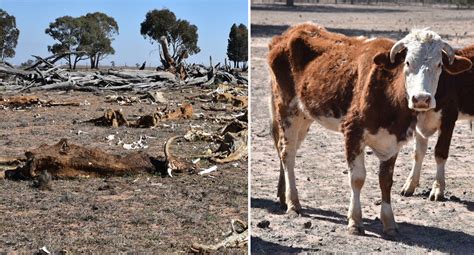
[212, 17]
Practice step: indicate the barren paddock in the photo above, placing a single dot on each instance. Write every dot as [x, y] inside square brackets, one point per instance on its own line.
[322, 181]
[145, 213]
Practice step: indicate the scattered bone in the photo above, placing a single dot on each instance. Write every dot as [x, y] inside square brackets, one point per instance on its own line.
[215, 108]
[172, 163]
[233, 147]
[122, 100]
[236, 238]
[43, 251]
[208, 170]
[140, 144]
[156, 97]
[195, 134]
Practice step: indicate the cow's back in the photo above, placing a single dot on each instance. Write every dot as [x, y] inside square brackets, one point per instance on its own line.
[465, 85]
[457, 91]
[329, 68]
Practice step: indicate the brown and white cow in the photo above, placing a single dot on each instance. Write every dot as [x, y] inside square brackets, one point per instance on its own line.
[454, 101]
[368, 89]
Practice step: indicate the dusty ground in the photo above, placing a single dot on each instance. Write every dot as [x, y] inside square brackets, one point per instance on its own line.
[322, 183]
[145, 213]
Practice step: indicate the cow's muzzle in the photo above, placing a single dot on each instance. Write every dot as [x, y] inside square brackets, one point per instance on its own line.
[422, 102]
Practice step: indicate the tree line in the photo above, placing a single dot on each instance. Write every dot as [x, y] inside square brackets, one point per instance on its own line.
[90, 37]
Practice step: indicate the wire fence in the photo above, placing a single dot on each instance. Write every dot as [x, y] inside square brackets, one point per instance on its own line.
[450, 3]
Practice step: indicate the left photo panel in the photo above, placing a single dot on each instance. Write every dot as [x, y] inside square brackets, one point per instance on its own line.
[123, 126]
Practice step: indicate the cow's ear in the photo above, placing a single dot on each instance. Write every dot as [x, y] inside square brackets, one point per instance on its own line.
[383, 59]
[459, 65]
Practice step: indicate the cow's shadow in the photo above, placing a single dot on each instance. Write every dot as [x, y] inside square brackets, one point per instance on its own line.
[469, 204]
[429, 237]
[260, 246]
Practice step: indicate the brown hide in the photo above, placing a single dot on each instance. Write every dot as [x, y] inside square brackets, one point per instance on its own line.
[65, 160]
[336, 76]
[455, 94]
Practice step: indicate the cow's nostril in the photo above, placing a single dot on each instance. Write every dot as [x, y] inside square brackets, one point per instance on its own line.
[427, 100]
[420, 100]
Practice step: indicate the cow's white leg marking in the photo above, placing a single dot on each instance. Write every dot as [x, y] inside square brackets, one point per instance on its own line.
[356, 180]
[413, 180]
[437, 191]
[386, 181]
[388, 220]
[295, 129]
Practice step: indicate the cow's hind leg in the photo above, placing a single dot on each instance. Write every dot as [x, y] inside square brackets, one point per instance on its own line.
[355, 159]
[289, 130]
[385, 181]
[413, 179]
[356, 178]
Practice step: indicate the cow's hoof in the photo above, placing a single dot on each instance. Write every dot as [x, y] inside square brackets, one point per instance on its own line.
[406, 193]
[408, 189]
[356, 230]
[292, 213]
[436, 195]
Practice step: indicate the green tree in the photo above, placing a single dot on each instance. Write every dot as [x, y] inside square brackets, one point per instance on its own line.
[237, 47]
[8, 35]
[88, 37]
[97, 33]
[180, 34]
[67, 31]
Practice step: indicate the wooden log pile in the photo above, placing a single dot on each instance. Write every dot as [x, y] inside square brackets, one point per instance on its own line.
[44, 74]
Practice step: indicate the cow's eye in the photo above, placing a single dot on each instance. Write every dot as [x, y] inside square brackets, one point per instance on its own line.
[439, 64]
[408, 63]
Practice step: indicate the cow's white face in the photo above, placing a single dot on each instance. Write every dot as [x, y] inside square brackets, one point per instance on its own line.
[423, 66]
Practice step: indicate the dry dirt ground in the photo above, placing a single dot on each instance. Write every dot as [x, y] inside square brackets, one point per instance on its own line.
[144, 213]
[321, 169]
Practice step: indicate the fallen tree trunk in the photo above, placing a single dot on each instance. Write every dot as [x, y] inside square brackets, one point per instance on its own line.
[45, 75]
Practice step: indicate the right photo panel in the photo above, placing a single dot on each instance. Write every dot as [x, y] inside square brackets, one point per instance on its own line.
[361, 116]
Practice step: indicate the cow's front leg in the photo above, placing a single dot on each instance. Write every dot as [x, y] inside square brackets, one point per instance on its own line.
[437, 190]
[441, 156]
[413, 179]
[385, 182]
